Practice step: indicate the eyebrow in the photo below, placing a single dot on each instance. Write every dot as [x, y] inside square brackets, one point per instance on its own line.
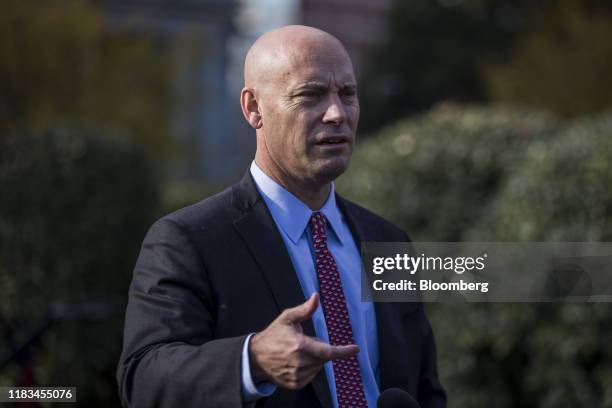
[319, 85]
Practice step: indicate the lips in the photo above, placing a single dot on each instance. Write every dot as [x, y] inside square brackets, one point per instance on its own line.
[332, 140]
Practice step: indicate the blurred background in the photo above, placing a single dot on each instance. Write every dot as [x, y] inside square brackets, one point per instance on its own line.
[481, 120]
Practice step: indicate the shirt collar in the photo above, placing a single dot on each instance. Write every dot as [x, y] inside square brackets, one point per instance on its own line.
[291, 214]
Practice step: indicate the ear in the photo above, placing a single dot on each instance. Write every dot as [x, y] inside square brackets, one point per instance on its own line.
[250, 108]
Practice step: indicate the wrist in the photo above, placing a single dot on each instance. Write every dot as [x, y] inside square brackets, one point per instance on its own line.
[257, 371]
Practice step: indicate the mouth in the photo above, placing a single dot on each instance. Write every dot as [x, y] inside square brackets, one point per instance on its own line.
[332, 141]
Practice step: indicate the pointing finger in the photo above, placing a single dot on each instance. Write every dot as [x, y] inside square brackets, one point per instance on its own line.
[326, 352]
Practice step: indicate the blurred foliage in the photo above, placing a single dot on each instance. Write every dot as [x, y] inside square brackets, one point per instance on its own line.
[549, 55]
[433, 53]
[482, 174]
[561, 193]
[58, 61]
[563, 63]
[75, 205]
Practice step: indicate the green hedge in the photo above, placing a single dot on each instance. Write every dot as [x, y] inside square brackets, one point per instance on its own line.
[563, 192]
[75, 205]
[484, 174]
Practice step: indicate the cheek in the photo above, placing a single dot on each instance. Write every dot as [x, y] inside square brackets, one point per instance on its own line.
[353, 114]
[303, 127]
[278, 131]
[311, 121]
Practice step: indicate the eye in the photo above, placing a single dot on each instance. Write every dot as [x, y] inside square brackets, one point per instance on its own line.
[309, 94]
[347, 93]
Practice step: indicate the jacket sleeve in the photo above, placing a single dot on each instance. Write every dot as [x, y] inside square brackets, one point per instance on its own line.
[431, 393]
[170, 357]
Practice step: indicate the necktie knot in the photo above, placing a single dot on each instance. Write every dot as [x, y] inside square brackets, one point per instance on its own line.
[318, 226]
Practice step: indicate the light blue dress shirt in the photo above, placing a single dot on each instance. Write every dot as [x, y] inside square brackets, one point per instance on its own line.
[291, 217]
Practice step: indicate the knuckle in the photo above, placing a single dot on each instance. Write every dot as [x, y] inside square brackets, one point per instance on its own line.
[292, 380]
[302, 343]
[292, 385]
[299, 344]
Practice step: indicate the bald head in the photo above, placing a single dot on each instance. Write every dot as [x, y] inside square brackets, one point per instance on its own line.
[275, 52]
[300, 96]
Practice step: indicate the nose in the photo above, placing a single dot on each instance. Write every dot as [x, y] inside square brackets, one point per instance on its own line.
[335, 113]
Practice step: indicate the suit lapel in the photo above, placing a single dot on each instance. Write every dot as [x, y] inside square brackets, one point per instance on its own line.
[391, 346]
[259, 232]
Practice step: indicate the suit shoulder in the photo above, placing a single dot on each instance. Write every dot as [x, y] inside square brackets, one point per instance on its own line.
[364, 215]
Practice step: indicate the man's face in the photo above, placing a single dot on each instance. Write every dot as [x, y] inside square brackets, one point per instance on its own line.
[310, 112]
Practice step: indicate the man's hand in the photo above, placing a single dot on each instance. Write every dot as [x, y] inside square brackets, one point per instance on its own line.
[285, 356]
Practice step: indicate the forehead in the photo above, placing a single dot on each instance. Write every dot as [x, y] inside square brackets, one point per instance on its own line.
[315, 64]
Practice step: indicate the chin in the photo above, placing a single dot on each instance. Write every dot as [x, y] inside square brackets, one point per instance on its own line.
[329, 171]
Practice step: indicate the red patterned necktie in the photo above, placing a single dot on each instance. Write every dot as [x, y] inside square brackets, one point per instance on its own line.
[349, 387]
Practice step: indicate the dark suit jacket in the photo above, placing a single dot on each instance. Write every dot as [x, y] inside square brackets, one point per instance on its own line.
[210, 274]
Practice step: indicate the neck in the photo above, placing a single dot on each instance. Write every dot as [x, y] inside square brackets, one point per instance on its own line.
[314, 195]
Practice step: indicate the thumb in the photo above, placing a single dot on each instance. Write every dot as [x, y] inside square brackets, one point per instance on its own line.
[301, 312]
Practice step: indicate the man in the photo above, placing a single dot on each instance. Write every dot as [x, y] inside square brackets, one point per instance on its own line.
[252, 296]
